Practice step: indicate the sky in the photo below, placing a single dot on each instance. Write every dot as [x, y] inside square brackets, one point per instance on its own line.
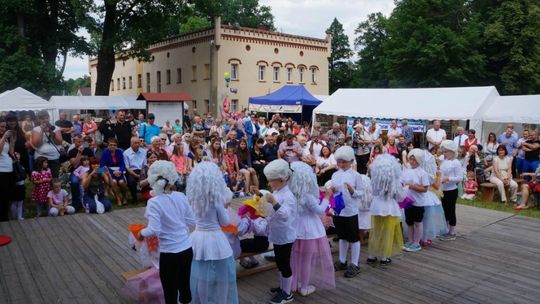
[299, 17]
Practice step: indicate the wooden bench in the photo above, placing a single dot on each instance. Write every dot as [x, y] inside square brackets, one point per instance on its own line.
[487, 192]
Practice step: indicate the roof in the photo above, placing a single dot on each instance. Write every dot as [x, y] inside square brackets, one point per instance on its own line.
[85, 91]
[287, 95]
[178, 96]
[20, 99]
[96, 102]
[459, 103]
[517, 109]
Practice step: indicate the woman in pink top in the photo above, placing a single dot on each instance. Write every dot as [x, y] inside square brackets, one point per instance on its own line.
[471, 140]
[391, 148]
[89, 127]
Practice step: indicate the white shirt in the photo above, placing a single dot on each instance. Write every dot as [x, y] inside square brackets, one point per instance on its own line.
[325, 162]
[354, 179]
[453, 170]
[282, 218]
[394, 132]
[317, 147]
[416, 176]
[309, 225]
[135, 160]
[460, 140]
[169, 217]
[6, 163]
[438, 135]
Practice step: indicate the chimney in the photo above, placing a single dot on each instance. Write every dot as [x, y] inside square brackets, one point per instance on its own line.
[217, 31]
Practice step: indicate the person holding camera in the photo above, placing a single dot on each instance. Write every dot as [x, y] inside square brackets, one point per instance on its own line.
[290, 150]
[47, 141]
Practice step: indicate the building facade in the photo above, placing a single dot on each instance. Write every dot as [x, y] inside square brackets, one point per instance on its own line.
[258, 62]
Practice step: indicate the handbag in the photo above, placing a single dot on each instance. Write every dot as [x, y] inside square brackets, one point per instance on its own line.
[19, 172]
[62, 152]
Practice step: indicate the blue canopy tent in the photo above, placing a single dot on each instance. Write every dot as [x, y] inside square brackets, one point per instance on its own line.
[292, 99]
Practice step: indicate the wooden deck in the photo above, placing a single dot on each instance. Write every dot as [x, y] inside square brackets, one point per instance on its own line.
[79, 258]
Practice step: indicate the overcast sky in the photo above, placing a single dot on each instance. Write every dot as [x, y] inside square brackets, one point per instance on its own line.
[299, 17]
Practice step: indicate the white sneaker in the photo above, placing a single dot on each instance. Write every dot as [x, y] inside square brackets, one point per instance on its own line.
[307, 291]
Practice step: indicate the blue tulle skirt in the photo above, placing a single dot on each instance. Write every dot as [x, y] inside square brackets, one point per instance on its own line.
[214, 281]
[434, 222]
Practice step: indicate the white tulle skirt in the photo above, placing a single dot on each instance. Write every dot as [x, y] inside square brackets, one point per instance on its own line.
[210, 245]
[364, 220]
[214, 281]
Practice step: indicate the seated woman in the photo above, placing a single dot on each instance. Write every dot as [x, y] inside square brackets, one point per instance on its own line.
[157, 146]
[151, 157]
[93, 183]
[391, 147]
[113, 159]
[258, 161]
[528, 188]
[502, 175]
[325, 166]
[245, 164]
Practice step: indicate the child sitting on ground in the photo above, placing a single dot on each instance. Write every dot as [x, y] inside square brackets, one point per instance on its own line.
[471, 186]
[239, 188]
[58, 200]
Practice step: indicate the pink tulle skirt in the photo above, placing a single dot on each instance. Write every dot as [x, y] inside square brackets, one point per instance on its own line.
[145, 287]
[311, 264]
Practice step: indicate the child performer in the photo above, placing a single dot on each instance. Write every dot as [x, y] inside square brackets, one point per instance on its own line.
[311, 257]
[169, 217]
[385, 238]
[418, 184]
[471, 186]
[281, 225]
[351, 184]
[213, 270]
[434, 223]
[452, 175]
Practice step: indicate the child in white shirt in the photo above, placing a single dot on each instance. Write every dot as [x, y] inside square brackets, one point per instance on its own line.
[58, 200]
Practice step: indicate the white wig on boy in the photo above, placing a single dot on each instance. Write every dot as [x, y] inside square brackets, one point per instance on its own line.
[277, 169]
[345, 153]
[429, 165]
[385, 176]
[449, 145]
[161, 174]
[206, 187]
[418, 155]
[303, 183]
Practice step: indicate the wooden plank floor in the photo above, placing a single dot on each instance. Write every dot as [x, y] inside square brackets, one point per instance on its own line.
[79, 258]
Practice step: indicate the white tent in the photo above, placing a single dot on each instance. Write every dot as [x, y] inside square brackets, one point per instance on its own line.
[20, 99]
[464, 103]
[519, 109]
[63, 103]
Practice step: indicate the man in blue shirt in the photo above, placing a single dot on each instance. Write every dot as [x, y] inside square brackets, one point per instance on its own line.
[509, 138]
[149, 129]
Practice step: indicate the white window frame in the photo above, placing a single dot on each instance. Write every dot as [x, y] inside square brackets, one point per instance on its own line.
[262, 71]
[301, 74]
[234, 71]
[289, 74]
[313, 75]
[275, 73]
[234, 105]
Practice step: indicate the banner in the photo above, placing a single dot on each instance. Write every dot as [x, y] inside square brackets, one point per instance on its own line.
[384, 124]
[275, 108]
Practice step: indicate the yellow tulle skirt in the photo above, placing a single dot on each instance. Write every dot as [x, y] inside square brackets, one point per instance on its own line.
[385, 236]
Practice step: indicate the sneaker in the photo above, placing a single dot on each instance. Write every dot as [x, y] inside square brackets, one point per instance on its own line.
[386, 262]
[281, 298]
[275, 289]
[406, 245]
[340, 266]
[352, 271]
[371, 261]
[447, 237]
[413, 248]
[307, 291]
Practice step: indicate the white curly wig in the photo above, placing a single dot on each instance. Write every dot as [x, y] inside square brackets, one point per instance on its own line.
[161, 174]
[345, 153]
[206, 187]
[418, 154]
[303, 182]
[429, 165]
[277, 169]
[385, 176]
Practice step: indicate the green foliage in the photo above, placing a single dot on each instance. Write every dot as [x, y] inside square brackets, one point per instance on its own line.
[72, 86]
[340, 70]
[247, 13]
[194, 23]
[435, 43]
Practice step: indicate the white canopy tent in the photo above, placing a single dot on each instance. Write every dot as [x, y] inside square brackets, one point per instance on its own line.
[78, 103]
[463, 103]
[20, 99]
[519, 110]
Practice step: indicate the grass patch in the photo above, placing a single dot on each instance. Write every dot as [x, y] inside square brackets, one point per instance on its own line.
[531, 212]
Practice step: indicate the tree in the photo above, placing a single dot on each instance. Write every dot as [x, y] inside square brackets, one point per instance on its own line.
[338, 65]
[247, 13]
[371, 70]
[511, 42]
[194, 23]
[35, 35]
[71, 86]
[127, 29]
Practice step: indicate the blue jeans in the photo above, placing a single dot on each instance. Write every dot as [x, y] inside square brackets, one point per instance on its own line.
[76, 197]
[519, 164]
[529, 167]
[91, 202]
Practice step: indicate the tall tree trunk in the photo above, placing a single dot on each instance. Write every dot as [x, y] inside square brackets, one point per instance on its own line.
[106, 60]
